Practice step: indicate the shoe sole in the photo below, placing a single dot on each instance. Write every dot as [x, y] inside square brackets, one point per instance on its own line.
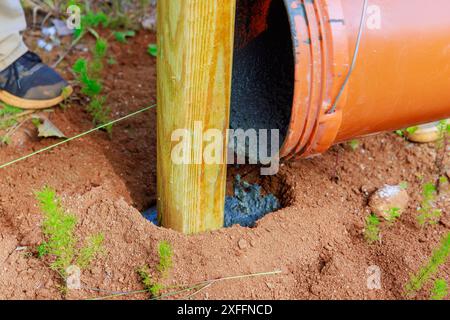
[17, 102]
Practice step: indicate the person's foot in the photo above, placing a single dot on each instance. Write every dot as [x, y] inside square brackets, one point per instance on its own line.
[430, 132]
[30, 84]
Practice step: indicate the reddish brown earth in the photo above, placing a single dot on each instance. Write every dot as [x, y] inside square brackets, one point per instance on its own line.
[316, 240]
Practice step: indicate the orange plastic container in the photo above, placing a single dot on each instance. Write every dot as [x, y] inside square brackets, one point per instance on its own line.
[300, 53]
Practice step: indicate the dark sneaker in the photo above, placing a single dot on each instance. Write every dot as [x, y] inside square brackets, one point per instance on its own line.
[30, 84]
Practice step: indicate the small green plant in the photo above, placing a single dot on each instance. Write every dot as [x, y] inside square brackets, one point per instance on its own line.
[444, 130]
[59, 232]
[88, 75]
[58, 228]
[152, 49]
[438, 258]
[441, 148]
[404, 132]
[98, 52]
[89, 86]
[165, 258]
[400, 133]
[6, 140]
[8, 115]
[372, 230]
[66, 92]
[91, 20]
[354, 144]
[443, 183]
[403, 185]
[112, 61]
[8, 110]
[99, 112]
[87, 253]
[440, 290]
[393, 214]
[428, 214]
[412, 130]
[152, 284]
[121, 36]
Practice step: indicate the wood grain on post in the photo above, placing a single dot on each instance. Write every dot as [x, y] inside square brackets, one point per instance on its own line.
[195, 43]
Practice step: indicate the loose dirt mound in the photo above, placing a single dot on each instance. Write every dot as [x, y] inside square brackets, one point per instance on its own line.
[316, 240]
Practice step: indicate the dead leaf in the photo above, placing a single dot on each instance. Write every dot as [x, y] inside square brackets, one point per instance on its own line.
[46, 129]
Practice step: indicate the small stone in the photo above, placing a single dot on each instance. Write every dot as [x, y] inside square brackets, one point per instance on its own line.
[426, 133]
[315, 289]
[387, 199]
[243, 244]
[365, 190]
[73, 281]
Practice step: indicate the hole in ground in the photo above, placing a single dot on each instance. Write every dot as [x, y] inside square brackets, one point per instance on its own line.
[249, 196]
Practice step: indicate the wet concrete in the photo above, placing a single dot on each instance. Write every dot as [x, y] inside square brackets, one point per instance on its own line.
[248, 205]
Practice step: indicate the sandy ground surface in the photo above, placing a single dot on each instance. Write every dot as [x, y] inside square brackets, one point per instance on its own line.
[316, 240]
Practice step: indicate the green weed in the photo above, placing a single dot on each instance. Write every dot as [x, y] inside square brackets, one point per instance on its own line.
[412, 130]
[165, 258]
[152, 49]
[428, 214]
[403, 185]
[154, 285]
[403, 132]
[6, 140]
[112, 61]
[100, 48]
[372, 230]
[87, 253]
[393, 214]
[121, 36]
[91, 20]
[438, 258]
[8, 118]
[58, 228]
[440, 290]
[400, 133]
[8, 115]
[99, 112]
[7, 110]
[354, 144]
[88, 75]
[60, 241]
[443, 182]
[444, 130]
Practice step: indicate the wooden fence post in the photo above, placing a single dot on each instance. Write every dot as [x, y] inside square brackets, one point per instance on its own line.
[195, 53]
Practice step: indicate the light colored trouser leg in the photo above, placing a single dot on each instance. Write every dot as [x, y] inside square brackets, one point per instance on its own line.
[12, 21]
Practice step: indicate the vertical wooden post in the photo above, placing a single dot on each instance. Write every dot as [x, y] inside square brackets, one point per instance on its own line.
[195, 43]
